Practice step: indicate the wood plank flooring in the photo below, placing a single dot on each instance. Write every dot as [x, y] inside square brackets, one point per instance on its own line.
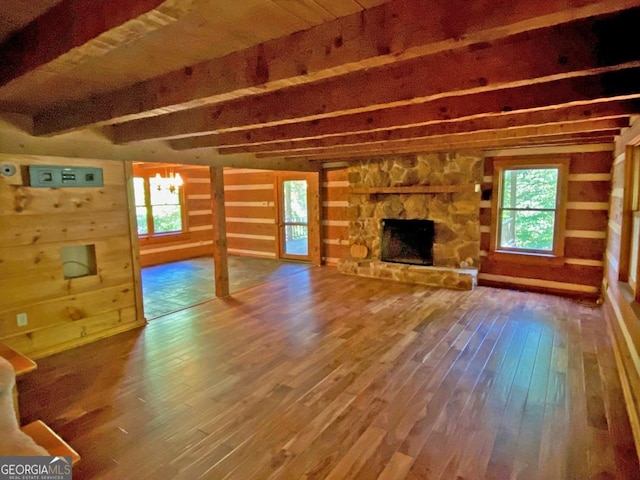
[324, 376]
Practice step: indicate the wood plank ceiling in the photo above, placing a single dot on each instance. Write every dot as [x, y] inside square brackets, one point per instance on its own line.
[326, 79]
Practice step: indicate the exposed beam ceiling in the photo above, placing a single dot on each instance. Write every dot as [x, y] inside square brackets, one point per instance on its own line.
[321, 79]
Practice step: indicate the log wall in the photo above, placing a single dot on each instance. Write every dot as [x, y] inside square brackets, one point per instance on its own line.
[335, 226]
[585, 231]
[621, 312]
[196, 241]
[250, 205]
[251, 216]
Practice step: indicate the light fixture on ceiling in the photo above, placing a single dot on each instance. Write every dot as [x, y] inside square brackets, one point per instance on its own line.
[171, 181]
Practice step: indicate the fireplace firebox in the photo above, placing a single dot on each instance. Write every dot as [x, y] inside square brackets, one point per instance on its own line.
[407, 241]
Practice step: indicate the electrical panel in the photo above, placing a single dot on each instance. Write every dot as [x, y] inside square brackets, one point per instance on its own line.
[59, 177]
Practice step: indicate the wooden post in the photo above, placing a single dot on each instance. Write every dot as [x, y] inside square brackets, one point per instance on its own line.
[219, 232]
[135, 242]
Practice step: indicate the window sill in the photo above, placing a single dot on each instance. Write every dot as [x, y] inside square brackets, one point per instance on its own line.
[165, 238]
[526, 258]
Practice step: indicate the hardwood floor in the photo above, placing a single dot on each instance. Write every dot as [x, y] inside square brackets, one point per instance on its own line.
[170, 287]
[319, 375]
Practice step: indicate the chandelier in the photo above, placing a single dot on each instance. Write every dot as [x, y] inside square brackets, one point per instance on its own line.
[172, 182]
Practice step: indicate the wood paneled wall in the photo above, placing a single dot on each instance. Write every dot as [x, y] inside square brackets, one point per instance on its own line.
[251, 215]
[36, 223]
[586, 229]
[621, 312]
[196, 241]
[335, 226]
[250, 203]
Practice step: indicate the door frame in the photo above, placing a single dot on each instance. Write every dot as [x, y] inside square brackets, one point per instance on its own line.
[313, 215]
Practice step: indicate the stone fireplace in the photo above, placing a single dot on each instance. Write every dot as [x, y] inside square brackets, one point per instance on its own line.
[441, 188]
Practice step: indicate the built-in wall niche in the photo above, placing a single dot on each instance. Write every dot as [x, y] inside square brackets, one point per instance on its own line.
[78, 261]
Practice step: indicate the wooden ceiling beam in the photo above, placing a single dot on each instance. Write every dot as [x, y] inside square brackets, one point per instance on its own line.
[395, 31]
[597, 96]
[74, 30]
[467, 137]
[549, 141]
[573, 50]
[584, 116]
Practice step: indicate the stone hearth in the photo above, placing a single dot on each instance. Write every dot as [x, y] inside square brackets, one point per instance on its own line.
[455, 211]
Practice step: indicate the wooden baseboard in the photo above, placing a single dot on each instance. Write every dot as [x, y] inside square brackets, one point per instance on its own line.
[624, 364]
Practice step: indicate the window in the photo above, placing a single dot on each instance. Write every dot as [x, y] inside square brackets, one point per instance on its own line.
[530, 206]
[159, 209]
[630, 251]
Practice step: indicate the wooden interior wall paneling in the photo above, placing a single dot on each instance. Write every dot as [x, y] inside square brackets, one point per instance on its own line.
[69, 335]
[191, 245]
[623, 320]
[198, 204]
[62, 228]
[588, 220]
[335, 213]
[249, 177]
[199, 220]
[263, 212]
[591, 162]
[584, 222]
[587, 248]
[333, 231]
[65, 313]
[261, 195]
[252, 228]
[267, 246]
[589, 191]
[51, 284]
[34, 201]
[567, 273]
[335, 189]
[561, 290]
[20, 259]
[66, 309]
[168, 256]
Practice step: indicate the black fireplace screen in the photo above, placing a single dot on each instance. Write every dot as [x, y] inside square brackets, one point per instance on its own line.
[407, 241]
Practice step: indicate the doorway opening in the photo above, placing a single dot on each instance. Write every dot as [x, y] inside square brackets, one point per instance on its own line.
[298, 216]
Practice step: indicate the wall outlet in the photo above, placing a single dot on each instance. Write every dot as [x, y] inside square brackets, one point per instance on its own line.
[21, 319]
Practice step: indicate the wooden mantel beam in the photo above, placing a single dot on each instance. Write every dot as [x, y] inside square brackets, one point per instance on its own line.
[578, 49]
[395, 31]
[77, 29]
[582, 115]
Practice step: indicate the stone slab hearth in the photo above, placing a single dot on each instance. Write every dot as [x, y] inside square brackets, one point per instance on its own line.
[441, 277]
[440, 187]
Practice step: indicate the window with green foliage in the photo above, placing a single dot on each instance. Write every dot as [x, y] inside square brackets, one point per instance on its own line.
[530, 207]
[159, 208]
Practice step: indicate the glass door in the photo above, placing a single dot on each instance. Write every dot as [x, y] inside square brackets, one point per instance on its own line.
[294, 219]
